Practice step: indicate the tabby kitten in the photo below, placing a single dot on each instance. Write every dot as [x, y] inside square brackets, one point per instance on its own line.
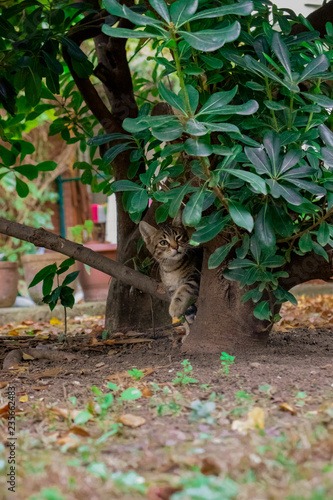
[179, 263]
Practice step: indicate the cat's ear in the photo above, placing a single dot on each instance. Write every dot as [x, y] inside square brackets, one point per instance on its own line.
[178, 220]
[147, 231]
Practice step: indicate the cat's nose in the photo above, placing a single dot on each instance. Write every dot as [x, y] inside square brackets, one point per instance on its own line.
[173, 245]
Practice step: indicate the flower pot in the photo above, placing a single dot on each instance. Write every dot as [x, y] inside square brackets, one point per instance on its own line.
[34, 263]
[95, 285]
[8, 283]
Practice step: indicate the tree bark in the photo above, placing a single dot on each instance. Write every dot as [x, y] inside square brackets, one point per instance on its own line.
[126, 308]
[126, 275]
[224, 323]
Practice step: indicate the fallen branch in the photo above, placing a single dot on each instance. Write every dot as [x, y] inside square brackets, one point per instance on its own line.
[42, 238]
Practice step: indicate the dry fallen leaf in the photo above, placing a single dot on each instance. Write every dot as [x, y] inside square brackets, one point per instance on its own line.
[3, 384]
[162, 492]
[287, 407]
[55, 321]
[70, 441]
[255, 420]
[26, 357]
[53, 372]
[146, 392]
[24, 399]
[131, 420]
[63, 412]
[79, 431]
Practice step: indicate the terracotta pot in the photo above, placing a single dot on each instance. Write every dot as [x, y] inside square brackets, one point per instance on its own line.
[95, 285]
[34, 263]
[8, 283]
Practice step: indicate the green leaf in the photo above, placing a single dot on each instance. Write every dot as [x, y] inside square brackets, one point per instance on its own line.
[193, 96]
[308, 186]
[327, 154]
[209, 229]
[248, 108]
[326, 135]
[305, 243]
[178, 195]
[33, 88]
[256, 182]
[323, 234]
[46, 166]
[105, 138]
[82, 417]
[139, 201]
[318, 249]
[70, 278]
[290, 195]
[29, 171]
[217, 100]
[126, 33]
[47, 285]
[125, 185]
[114, 151]
[260, 69]
[8, 157]
[275, 106]
[197, 148]
[259, 160]
[223, 127]
[290, 160]
[171, 98]
[193, 209]
[169, 132]
[162, 213]
[130, 394]
[262, 311]
[212, 62]
[52, 63]
[22, 188]
[182, 11]
[264, 227]
[113, 7]
[210, 40]
[322, 100]
[220, 254]
[317, 65]
[196, 128]
[281, 51]
[282, 222]
[140, 20]
[272, 146]
[238, 9]
[43, 273]
[141, 123]
[161, 8]
[241, 216]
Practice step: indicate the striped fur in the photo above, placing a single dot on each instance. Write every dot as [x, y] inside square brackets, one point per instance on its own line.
[179, 263]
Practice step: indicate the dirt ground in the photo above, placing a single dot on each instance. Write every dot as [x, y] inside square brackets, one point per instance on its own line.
[179, 452]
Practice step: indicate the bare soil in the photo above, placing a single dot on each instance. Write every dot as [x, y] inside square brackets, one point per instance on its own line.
[171, 446]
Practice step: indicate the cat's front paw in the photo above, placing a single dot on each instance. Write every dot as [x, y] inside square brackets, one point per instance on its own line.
[176, 308]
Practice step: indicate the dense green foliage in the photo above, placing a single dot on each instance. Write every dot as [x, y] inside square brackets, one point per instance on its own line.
[247, 141]
[247, 150]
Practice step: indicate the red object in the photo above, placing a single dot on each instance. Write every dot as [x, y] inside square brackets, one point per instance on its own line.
[95, 285]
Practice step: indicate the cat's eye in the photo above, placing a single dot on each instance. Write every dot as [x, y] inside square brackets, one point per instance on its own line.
[163, 243]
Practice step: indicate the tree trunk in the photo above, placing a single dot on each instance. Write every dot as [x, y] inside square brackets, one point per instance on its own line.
[224, 323]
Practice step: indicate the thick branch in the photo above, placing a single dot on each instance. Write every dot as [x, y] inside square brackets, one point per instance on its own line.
[317, 19]
[309, 267]
[43, 238]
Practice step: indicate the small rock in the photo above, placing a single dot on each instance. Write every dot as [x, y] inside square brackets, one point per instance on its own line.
[254, 365]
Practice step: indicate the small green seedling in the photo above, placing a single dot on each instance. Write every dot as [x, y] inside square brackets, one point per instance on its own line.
[226, 362]
[136, 374]
[183, 377]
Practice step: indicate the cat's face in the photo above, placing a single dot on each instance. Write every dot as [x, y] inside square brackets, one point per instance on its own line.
[166, 243]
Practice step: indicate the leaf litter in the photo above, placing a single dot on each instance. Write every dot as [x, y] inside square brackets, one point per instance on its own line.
[112, 418]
